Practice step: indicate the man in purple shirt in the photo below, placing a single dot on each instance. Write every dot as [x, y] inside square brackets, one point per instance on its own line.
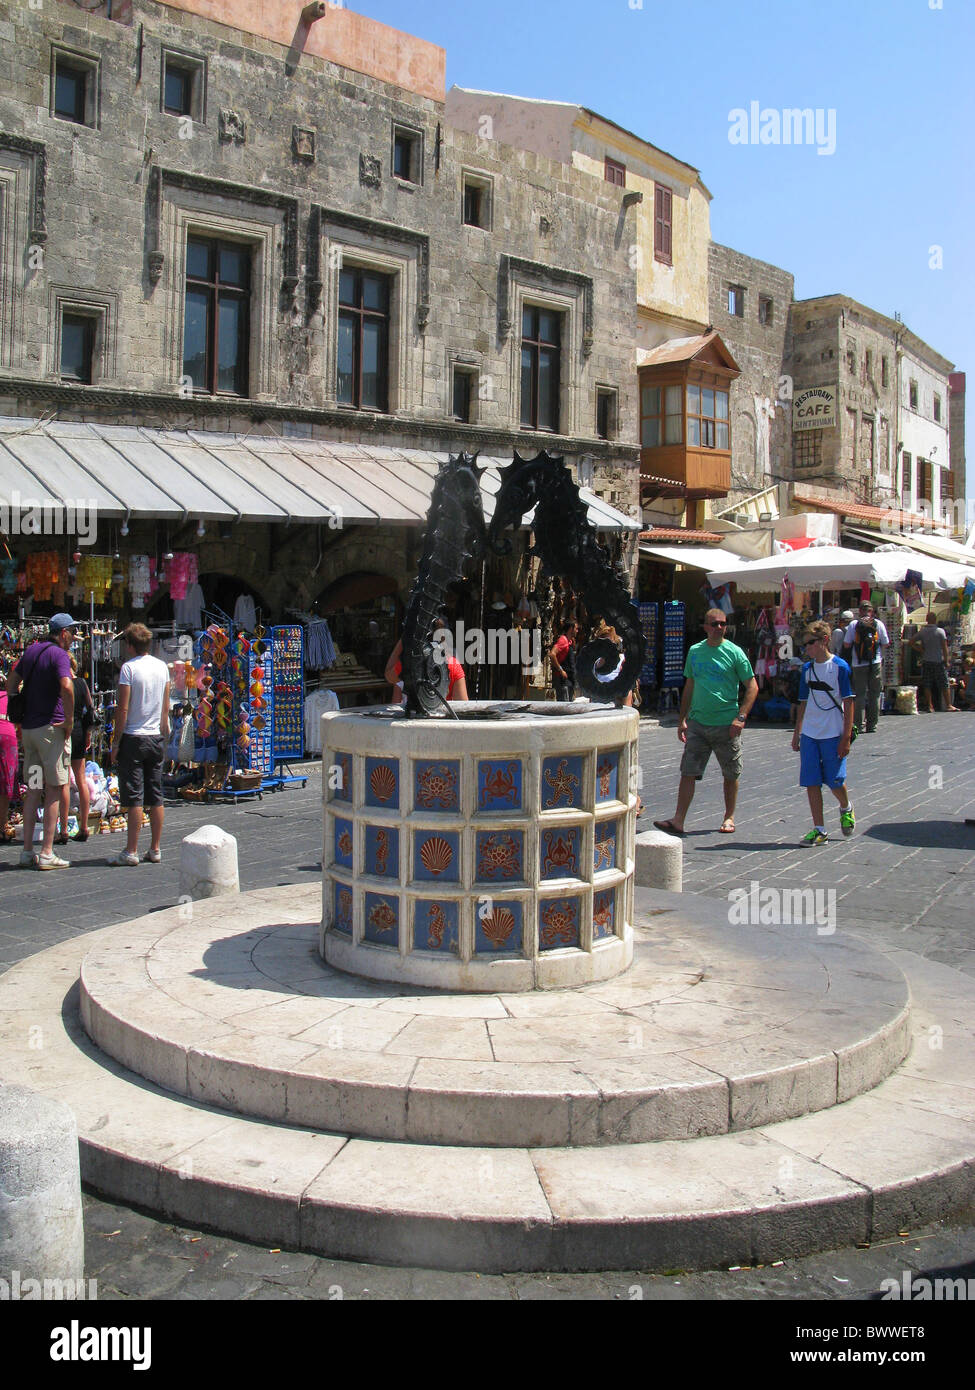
[44, 671]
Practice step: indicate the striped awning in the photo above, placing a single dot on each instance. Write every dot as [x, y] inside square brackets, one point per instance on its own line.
[133, 472]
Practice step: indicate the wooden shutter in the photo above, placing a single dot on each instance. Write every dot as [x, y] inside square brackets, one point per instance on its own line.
[662, 224]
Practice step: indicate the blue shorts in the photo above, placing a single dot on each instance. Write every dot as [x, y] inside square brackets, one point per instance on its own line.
[818, 763]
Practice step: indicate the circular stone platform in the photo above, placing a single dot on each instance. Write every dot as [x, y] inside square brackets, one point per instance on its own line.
[715, 1028]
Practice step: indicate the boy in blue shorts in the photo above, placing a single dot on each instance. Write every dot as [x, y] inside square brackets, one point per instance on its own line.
[824, 731]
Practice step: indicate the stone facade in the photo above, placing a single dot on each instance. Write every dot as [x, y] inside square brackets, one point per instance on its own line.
[751, 307]
[868, 361]
[291, 156]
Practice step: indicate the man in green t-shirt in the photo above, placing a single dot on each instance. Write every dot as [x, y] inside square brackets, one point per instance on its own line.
[712, 718]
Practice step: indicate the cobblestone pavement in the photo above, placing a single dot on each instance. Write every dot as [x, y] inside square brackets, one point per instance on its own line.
[906, 878]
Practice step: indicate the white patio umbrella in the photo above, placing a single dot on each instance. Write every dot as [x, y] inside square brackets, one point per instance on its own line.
[836, 566]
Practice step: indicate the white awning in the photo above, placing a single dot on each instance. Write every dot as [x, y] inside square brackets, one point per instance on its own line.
[698, 557]
[834, 566]
[132, 472]
[937, 547]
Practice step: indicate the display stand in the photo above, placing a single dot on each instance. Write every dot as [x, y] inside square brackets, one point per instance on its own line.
[648, 625]
[287, 684]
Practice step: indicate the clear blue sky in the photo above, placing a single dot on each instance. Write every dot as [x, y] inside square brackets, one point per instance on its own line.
[899, 75]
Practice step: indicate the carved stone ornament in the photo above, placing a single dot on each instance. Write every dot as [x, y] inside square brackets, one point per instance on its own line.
[156, 262]
[422, 317]
[233, 130]
[303, 143]
[370, 170]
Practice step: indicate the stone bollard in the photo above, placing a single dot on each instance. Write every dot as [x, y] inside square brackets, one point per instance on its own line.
[41, 1230]
[208, 864]
[659, 861]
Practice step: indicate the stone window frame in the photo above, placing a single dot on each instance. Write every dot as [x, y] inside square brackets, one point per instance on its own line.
[476, 178]
[403, 255]
[196, 66]
[567, 293]
[612, 394]
[17, 219]
[736, 301]
[470, 364]
[100, 305]
[766, 310]
[185, 211]
[401, 130]
[88, 63]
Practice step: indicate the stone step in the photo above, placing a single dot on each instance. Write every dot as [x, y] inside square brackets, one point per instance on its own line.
[715, 1028]
[902, 1155]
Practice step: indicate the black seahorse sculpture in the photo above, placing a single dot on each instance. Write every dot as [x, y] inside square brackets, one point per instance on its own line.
[565, 541]
[455, 536]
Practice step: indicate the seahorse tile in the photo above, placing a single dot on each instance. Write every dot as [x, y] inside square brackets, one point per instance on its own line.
[607, 775]
[382, 851]
[436, 925]
[603, 914]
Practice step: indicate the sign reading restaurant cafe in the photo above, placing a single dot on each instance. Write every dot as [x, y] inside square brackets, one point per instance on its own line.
[814, 408]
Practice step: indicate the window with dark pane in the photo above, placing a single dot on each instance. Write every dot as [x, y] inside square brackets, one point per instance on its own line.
[764, 310]
[78, 347]
[463, 394]
[605, 414]
[473, 197]
[363, 339]
[71, 91]
[615, 172]
[707, 418]
[406, 155]
[178, 90]
[663, 235]
[216, 326]
[541, 342]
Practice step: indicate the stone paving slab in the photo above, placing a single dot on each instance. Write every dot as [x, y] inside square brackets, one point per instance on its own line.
[190, 1006]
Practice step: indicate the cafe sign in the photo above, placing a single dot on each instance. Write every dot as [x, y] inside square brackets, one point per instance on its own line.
[814, 408]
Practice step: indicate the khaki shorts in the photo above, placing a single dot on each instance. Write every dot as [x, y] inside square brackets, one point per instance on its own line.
[705, 739]
[46, 748]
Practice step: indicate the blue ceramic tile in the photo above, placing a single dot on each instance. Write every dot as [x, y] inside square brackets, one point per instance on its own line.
[558, 853]
[499, 856]
[561, 783]
[341, 777]
[435, 925]
[342, 920]
[499, 784]
[607, 776]
[498, 928]
[604, 846]
[436, 856]
[382, 783]
[382, 851]
[382, 920]
[436, 786]
[558, 923]
[343, 842]
[603, 914]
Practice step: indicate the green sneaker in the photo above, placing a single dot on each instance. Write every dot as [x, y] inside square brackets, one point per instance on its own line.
[847, 820]
[814, 837]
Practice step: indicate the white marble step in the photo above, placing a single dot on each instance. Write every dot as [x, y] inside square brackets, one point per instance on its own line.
[715, 1028]
[902, 1155]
